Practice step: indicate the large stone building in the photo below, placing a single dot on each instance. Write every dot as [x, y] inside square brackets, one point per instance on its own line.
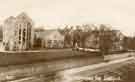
[18, 33]
[49, 39]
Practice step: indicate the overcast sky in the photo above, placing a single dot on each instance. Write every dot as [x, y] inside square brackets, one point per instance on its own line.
[118, 13]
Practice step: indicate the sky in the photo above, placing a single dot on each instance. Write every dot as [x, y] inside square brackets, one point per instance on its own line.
[118, 13]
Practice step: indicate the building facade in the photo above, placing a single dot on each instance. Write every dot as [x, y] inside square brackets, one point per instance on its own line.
[92, 41]
[18, 33]
[50, 39]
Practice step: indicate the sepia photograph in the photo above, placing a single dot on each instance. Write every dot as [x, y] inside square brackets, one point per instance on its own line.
[67, 40]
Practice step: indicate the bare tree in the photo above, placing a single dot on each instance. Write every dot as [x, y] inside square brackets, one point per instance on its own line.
[66, 31]
[105, 39]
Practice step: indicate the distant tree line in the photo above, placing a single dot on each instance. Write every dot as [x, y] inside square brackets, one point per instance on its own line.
[129, 43]
[107, 38]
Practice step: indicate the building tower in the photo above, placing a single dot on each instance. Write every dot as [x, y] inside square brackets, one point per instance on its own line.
[18, 33]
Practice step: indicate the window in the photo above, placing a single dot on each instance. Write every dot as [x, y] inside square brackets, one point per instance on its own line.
[49, 41]
[29, 25]
[19, 41]
[19, 37]
[29, 30]
[19, 31]
[62, 42]
[55, 41]
[20, 25]
[24, 33]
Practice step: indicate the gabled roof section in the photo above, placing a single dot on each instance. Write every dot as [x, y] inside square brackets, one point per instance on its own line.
[9, 19]
[46, 33]
[24, 17]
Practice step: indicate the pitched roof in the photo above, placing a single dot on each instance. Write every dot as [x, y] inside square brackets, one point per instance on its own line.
[23, 16]
[9, 19]
[43, 34]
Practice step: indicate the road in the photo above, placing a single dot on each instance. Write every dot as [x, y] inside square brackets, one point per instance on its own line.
[120, 72]
[71, 75]
[27, 70]
[45, 69]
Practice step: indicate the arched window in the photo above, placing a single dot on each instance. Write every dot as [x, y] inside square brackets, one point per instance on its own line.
[19, 34]
[19, 31]
[29, 26]
[24, 34]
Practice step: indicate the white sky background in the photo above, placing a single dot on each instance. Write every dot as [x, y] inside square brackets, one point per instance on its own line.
[118, 13]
